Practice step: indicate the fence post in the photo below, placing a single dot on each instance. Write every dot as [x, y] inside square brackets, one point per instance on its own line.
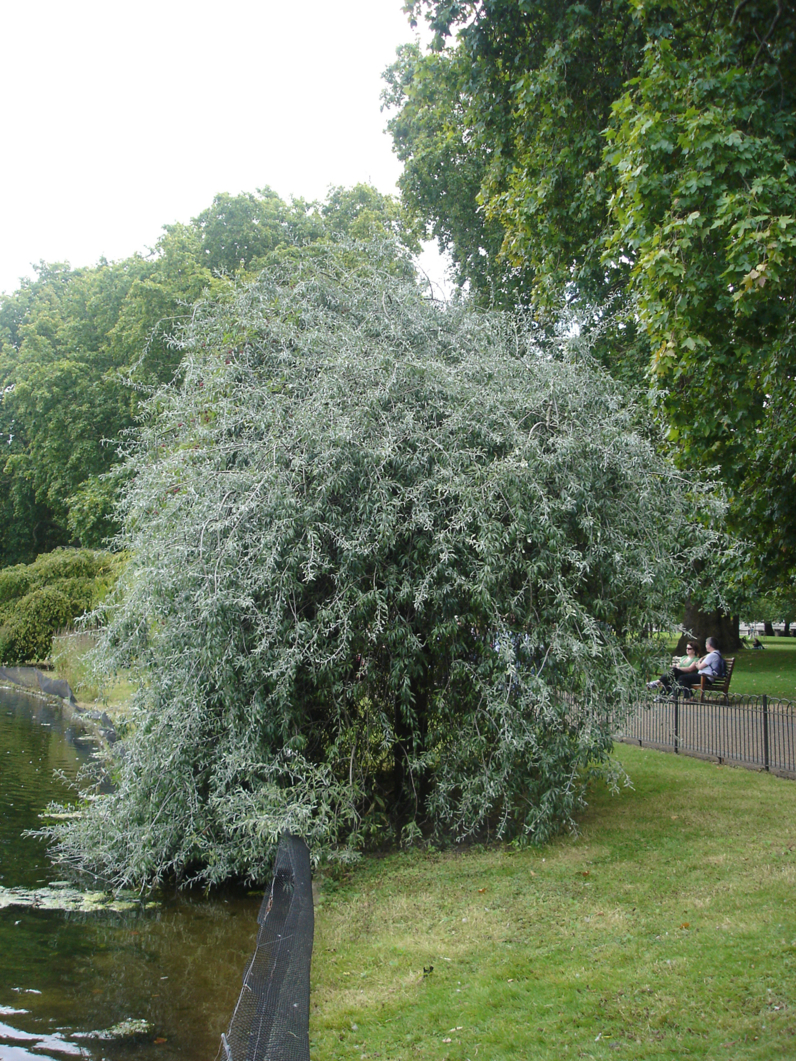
[765, 731]
[676, 724]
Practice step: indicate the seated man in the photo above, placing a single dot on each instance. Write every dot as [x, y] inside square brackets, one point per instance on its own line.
[711, 666]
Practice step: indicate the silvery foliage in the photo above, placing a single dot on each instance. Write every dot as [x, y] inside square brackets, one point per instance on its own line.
[362, 527]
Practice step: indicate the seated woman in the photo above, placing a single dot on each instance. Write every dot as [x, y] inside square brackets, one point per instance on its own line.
[685, 664]
[685, 678]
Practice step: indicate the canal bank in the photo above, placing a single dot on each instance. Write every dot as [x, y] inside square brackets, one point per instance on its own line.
[56, 693]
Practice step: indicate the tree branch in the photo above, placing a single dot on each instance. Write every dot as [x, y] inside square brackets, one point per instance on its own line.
[764, 41]
[741, 4]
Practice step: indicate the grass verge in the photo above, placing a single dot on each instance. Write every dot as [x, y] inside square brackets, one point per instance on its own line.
[70, 656]
[665, 930]
[772, 671]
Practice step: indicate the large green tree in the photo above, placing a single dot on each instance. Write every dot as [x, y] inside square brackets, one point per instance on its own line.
[383, 554]
[61, 396]
[80, 348]
[501, 136]
[702, 147]
[637, 159]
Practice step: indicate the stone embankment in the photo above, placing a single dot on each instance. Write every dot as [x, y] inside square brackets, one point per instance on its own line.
[34, 682]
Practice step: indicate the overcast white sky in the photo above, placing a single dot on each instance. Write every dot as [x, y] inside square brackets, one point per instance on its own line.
[118, 119]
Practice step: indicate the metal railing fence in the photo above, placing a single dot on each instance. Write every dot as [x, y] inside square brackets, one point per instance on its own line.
[753, 731]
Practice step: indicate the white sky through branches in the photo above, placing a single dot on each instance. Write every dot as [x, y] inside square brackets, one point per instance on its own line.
[118, 119]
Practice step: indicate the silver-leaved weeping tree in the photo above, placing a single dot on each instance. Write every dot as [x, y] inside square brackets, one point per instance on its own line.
[391, 564]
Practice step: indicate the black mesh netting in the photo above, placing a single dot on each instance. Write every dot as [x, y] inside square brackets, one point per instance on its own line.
[271, 1019]
[32, 678]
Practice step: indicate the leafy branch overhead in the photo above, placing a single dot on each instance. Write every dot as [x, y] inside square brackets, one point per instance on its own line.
[636, 160]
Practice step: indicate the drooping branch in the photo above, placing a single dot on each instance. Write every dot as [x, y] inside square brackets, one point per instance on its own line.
[765, 39]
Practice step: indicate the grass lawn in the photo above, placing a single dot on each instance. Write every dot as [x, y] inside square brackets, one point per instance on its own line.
[666, 930]
[772, 671]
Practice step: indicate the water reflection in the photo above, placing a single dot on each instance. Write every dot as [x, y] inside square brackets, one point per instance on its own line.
[159, 982]
[34, 742]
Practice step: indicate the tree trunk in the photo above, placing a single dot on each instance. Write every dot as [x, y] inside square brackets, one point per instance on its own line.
[415, 788]
[768, 629]
[786, 629]
[701, 625]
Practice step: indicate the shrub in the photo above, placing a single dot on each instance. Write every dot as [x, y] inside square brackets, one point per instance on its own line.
[14, 582]
[40, 598]
[376, 547]
[35, 618]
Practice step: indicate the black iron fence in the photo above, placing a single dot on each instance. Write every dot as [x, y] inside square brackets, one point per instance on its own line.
[753, 731]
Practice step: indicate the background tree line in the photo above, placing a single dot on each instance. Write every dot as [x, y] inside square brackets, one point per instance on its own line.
[80, 349]
[635, 161]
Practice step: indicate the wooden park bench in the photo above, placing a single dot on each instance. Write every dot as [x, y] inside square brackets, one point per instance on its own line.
[720, 686]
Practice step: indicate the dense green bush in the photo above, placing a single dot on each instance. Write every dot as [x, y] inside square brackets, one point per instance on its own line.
[40, 598]
[14, 583]
[36, 617]
[376, 545]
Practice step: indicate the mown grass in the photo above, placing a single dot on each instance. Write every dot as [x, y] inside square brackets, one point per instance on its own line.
[772, 671]
[665, 930]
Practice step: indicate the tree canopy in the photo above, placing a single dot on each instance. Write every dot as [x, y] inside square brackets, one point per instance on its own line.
[634, 158]
[80, 348]
[386, 569]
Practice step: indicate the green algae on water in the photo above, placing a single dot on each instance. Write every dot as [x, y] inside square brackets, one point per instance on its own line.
[60, 897]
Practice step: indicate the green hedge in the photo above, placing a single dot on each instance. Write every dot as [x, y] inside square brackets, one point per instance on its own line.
[14, 583]
[38, 599]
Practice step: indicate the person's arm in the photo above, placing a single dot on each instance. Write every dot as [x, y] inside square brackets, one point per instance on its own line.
[710, 658]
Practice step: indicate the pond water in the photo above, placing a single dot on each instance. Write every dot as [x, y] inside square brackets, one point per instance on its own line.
[100, 983]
